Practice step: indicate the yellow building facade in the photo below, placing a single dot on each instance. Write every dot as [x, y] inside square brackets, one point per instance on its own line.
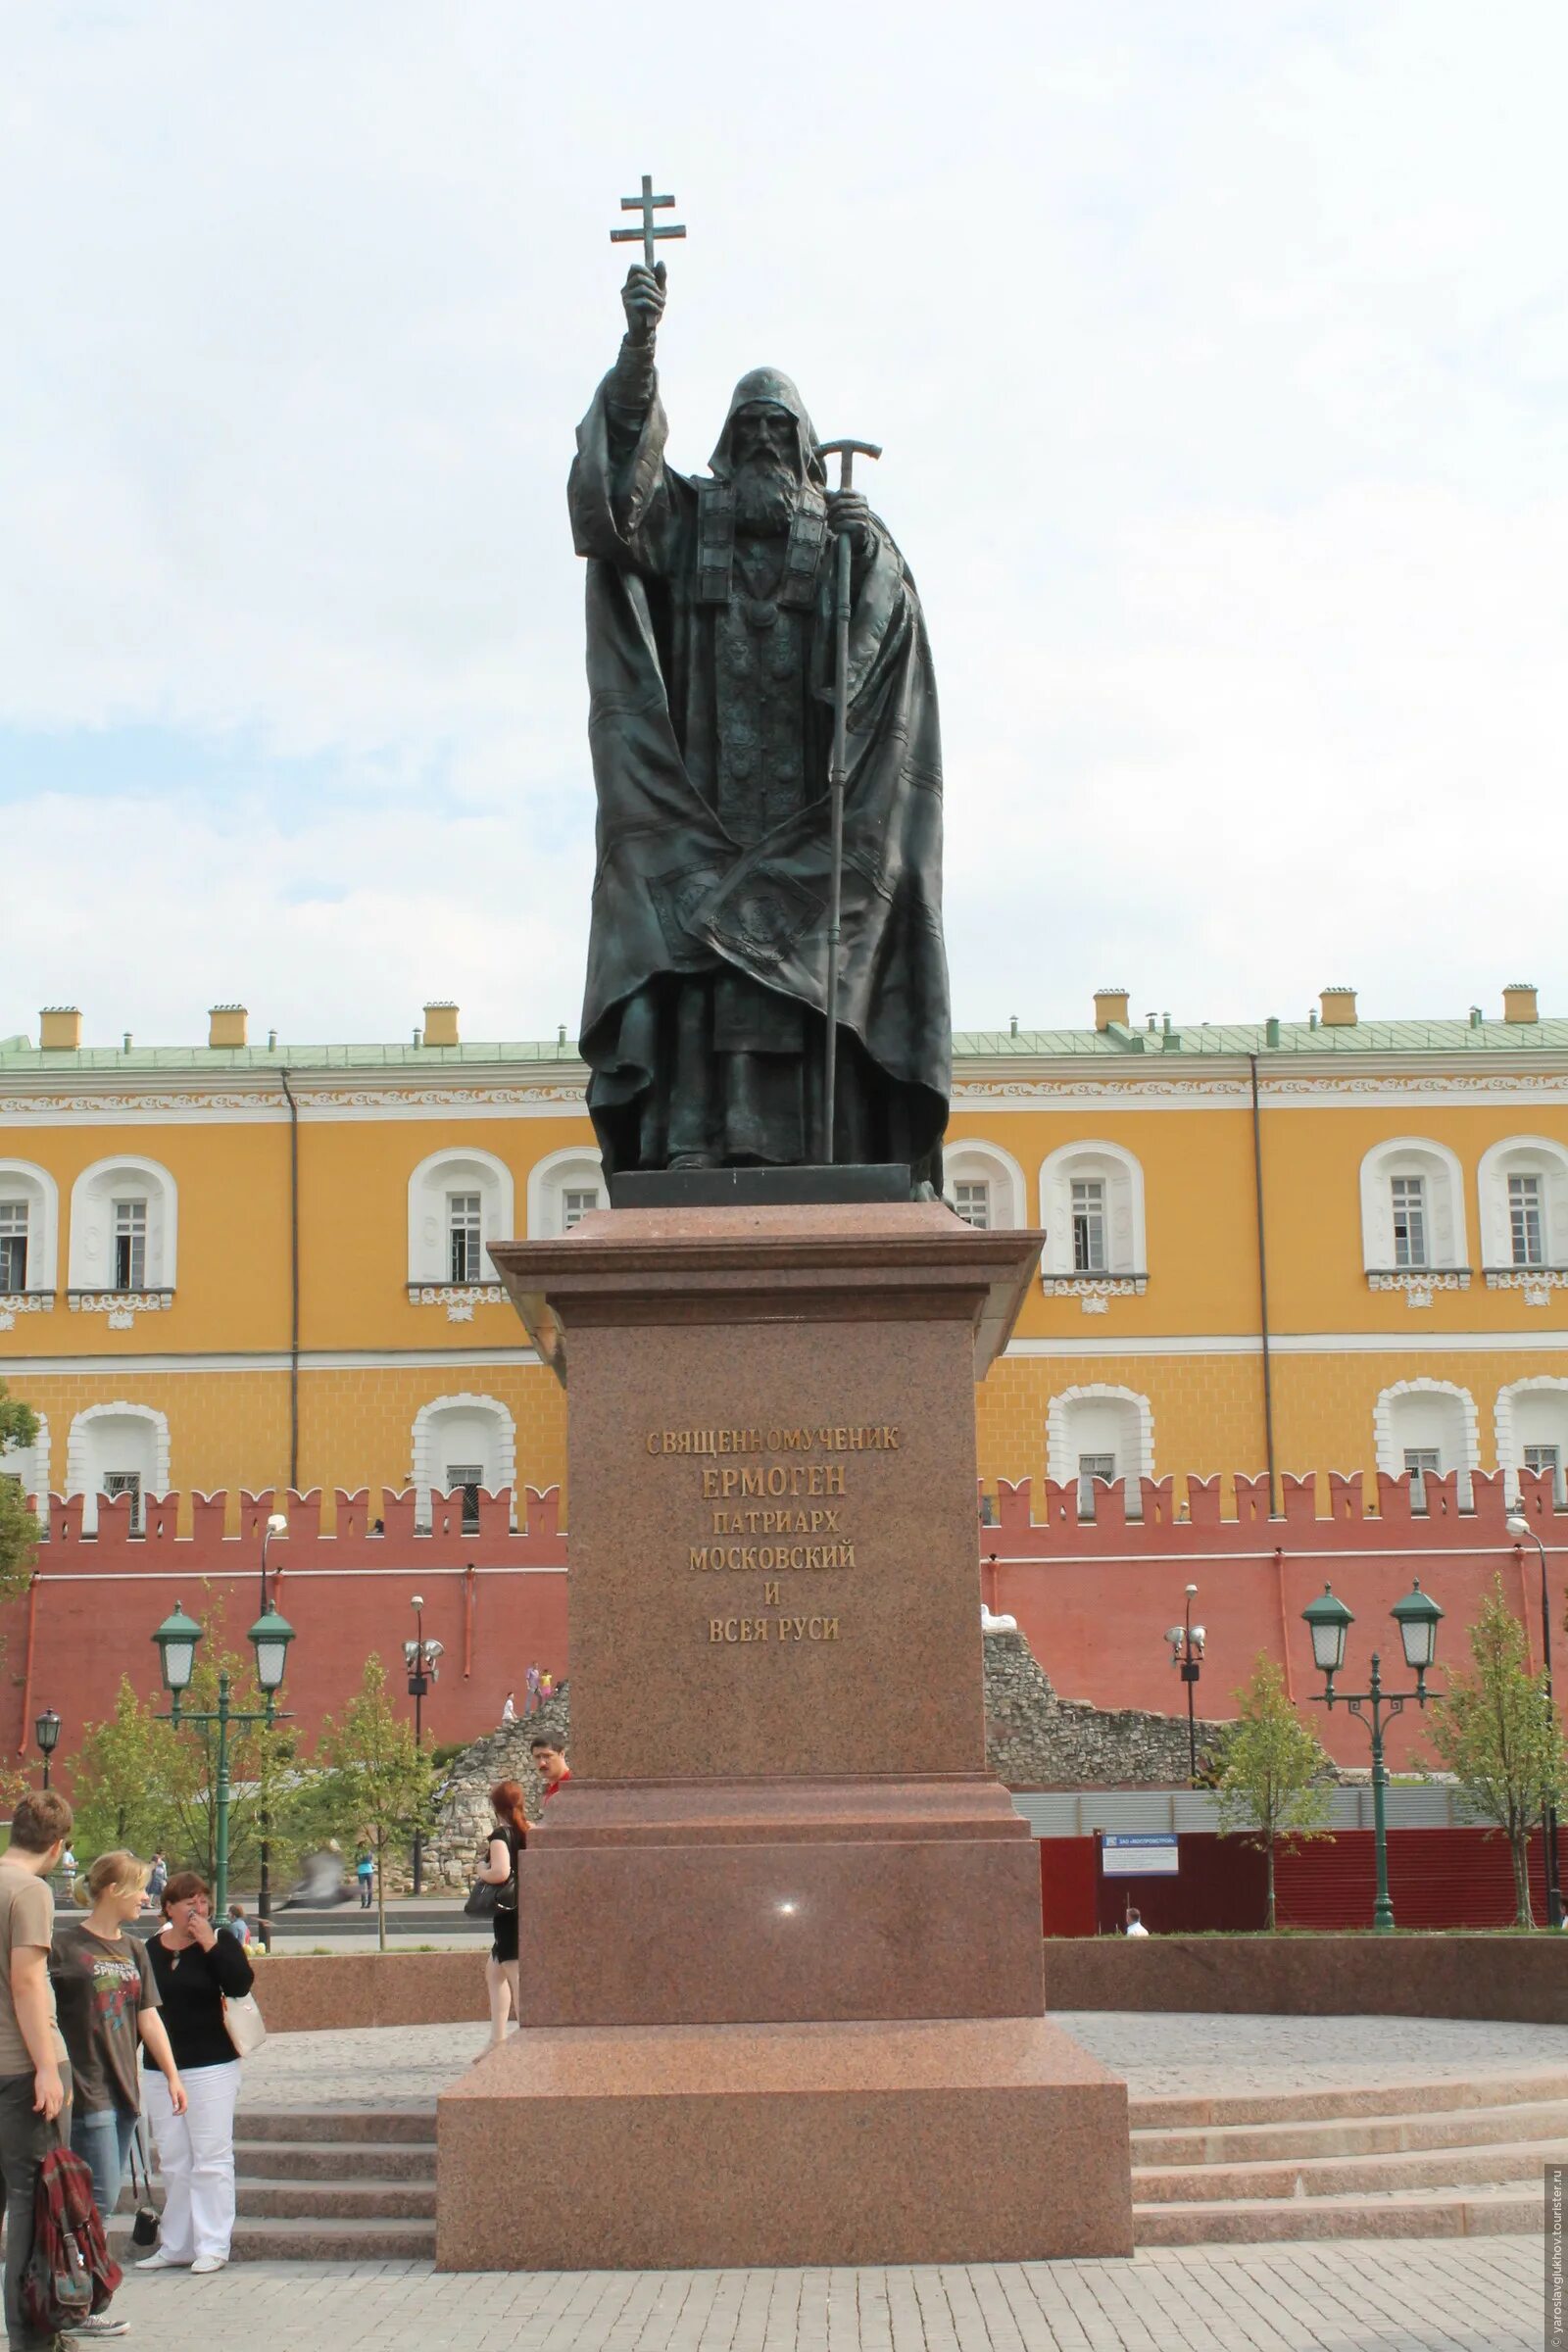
[1334, 1245]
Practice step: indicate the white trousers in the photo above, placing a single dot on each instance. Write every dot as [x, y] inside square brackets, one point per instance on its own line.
[196, 2157]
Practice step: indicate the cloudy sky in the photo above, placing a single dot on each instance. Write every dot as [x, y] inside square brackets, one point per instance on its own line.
[1220, 354]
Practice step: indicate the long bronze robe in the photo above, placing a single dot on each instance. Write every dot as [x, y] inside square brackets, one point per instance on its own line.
[709, 908]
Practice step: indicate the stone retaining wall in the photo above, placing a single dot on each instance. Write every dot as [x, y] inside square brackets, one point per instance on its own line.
[1522, 1979]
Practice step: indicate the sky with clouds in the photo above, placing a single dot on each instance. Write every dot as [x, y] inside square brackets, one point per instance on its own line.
[1219, 353]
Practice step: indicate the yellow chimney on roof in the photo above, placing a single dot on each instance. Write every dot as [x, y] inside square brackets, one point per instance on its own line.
[1519, 1002]
[58, 1029]
[441, 1023]
[1110, 1004]
[1339, 1008]
[227, 1025]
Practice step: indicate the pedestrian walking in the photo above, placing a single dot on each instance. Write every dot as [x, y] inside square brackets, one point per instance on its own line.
[157, 1878]
[108, 2010]
[530, 1683]
[364, 1874]
[508, 1713]
[195, 1969]
[238, 1926]
[508, 1838]
[34, 2071]
[68, 1865]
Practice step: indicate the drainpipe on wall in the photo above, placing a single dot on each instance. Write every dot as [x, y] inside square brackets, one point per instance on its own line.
[1263, 1294]
[27, 1675]
[293, 1287]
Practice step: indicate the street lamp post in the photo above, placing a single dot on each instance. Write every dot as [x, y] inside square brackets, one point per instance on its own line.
[277, 1525]
[46, 1731]
[1187, 1652]
[1417, 1617]
[177, 1640]
[1519, 1527]
[419, 1656]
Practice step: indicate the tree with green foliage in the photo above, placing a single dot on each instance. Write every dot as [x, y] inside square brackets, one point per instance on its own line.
[123, 1777]
[1496, 1731]
[380, 1782]
[1274, 1781]
[19, 1527]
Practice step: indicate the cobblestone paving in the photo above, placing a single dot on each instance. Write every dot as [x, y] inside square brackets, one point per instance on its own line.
[1478, 2295]
[408, 2066]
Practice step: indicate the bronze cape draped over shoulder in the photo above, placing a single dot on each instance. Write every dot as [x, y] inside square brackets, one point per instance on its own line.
[677, 895]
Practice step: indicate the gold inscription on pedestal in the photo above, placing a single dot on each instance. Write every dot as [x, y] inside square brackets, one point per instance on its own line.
[777, 1630]
[774, 1500]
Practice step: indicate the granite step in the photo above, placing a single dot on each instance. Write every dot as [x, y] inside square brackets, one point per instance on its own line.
[1477, 2213]
[328, 2184]
[336, 2200]
[335, 2160]
[1349, 2176]
[373, 2124]
[1448, 2158]
[278, 2240]
[1353, 2136]
[1519, 2085]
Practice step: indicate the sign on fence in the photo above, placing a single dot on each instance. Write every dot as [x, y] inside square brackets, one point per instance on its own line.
[1147, 1857]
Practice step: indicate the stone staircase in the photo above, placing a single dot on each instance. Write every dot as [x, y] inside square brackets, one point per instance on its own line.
[1451, 2159]
[330, 2184]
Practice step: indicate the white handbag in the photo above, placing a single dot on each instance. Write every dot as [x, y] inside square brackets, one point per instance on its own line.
[244, 2023]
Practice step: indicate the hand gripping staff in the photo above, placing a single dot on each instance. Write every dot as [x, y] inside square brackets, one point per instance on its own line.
[846, 452]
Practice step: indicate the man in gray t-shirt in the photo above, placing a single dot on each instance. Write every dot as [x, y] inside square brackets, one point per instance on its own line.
[35, 2078]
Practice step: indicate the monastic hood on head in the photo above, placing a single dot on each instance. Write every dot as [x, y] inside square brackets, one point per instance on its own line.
[772, 385]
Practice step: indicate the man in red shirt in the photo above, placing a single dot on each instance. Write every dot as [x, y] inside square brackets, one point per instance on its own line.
[549, 1763]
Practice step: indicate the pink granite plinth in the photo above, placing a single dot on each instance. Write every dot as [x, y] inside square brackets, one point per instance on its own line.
[698, 2147]
[781, 1960]
[727, 1904]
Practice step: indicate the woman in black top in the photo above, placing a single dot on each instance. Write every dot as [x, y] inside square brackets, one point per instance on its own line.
[194, 1967]
[500, 1869]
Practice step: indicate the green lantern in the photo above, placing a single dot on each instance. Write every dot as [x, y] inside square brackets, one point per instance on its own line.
[177, 1638]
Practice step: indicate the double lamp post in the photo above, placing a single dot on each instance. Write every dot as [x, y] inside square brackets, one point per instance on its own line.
[269, 1637]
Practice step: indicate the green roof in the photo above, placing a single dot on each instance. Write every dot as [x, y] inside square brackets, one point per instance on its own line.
[1292, 1037]
[1448, 1039]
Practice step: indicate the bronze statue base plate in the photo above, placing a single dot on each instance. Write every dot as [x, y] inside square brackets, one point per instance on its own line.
[756, 1187]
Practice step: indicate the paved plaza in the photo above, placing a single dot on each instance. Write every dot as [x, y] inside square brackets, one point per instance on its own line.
[1158, 2053]
[1481, 2295]
[1476, 2295]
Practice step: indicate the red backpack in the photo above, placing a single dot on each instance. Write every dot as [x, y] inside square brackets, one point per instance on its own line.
[68, 2273]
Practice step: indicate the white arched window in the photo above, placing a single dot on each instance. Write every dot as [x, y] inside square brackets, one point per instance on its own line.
[1095, 1432]
[464, 1447]
[460, 1202]
[1523, 1185]
[116, 1449]
[1533, 1431]
[1092, 1207]
[30, 1240]
[562, 1188]
[984, 1184]
[125, 1227]
[1412, 1219]
[1427, 1426]
[28, 1465]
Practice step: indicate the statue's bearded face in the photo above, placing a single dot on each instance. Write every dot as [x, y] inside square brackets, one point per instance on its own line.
[765, 444]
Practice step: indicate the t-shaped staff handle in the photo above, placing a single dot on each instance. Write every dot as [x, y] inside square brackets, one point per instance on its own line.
[837, 777]
[846, 453]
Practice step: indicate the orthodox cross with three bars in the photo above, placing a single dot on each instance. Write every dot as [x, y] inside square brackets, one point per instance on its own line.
[648, 204]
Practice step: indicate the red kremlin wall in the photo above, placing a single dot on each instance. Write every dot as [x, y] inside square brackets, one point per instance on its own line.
[1094, 1597]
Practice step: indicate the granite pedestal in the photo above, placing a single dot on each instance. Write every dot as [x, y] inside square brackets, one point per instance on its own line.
[781, 1954]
